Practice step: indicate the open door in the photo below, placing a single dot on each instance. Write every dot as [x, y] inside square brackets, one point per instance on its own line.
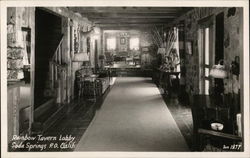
[206, 40]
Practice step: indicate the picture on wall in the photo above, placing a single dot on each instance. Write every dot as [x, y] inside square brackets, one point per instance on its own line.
[123, 41]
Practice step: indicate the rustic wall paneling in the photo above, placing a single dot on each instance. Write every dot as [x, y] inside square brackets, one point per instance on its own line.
[20, 94]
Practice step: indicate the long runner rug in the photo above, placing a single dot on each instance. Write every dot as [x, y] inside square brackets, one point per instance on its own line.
[133, 117]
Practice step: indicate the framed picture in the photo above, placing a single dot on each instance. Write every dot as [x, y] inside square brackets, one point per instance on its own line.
[123, 40]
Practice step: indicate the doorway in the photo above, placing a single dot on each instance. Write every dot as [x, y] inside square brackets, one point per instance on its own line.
[219, 40]
[219, 50]
[206, 48]
[47, 30]
[211, 48]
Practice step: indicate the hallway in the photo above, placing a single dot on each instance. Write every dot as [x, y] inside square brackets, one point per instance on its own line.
[124, 78]
[127, 121]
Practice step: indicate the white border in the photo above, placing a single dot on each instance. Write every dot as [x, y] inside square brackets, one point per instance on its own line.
[162, 3]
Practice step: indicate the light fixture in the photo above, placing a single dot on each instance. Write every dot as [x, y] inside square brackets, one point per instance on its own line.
[95, 33]
[96, 30]
[161, 51]
[80, 57]
[218, 71]
[95, 36]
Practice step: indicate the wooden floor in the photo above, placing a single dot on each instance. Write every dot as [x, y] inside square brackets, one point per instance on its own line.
[78, 120]
[182, 115]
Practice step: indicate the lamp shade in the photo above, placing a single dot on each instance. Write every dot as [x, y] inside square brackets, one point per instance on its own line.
[161, 51]
[218, 71]
[79, 57]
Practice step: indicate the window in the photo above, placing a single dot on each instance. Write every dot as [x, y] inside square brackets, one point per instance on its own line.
[206, 48]
[134, 44]
[206, 58]
[111, 44]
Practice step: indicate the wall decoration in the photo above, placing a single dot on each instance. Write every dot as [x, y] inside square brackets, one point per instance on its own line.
[76, 39]
[26, 31]
[122, 41]
[235, 66]
[124, 34]
[15, 51]
[227, 40]
[11, 36]
[15, 64]
[231, 12]
[88, 45]
[189, 47]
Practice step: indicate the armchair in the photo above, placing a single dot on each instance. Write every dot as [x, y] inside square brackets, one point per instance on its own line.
[109, 58]
[90, 84]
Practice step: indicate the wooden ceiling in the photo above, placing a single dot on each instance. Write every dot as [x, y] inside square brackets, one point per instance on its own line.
[117, 17]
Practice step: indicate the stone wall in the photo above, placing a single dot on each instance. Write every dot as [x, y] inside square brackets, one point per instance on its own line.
[24, 17]
[20, 17]
[233, 40]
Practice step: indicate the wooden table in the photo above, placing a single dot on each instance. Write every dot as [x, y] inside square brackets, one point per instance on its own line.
[137, 60]
[166, 82]
[81, 81]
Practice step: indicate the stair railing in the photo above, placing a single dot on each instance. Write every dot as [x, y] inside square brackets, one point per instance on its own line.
[58, 74]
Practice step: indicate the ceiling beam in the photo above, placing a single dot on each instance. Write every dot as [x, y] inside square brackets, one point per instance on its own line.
[129, 9]
[124, 27]
[133, 21]
[109, 26]
[132, 17]
[128, 15]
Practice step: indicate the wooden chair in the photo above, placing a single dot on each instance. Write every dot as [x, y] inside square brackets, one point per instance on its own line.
[204, 114]
[109, 58]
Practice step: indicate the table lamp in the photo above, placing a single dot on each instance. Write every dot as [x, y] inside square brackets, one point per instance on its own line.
[218, 72]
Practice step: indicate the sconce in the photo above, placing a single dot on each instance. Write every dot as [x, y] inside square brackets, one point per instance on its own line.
[218, 71]
[95, 33]
[235, 66]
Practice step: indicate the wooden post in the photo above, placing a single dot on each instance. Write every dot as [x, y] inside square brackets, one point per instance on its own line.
[59, 54]
[13, 110]
[51, 69]
[58, 99]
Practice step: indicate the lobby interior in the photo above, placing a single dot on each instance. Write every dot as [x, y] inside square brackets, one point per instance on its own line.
[126, 78]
